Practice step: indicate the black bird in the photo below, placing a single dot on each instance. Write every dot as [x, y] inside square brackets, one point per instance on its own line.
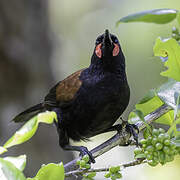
[89, 101]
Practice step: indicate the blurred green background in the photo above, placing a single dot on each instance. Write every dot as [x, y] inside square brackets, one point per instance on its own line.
[52, 39]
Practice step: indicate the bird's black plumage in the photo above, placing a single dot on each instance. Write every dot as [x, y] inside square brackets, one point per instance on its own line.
[89, 101]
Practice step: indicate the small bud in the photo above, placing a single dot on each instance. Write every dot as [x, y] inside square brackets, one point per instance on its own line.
[159, 146]
[161, 131]
[86, 158]
[152, 163]
[167, 142]
[82, 163]
[149, 157]
[161, 137]
[155, 132]
[137, 151]
[143, 141]
[150, 148]
[154, 140]
[107, 175]
[166, 149]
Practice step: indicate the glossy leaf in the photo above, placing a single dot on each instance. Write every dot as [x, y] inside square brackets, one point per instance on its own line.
[167, 118]
[133, 118]
[151, 93]
[50, 172]
[23, 134]
[30, 127]
[47, 117]
[171, 49]
[166, 92]
[19, 162]
[139, 114]
[150, 106]
[146, 105]
[9, 172]
[158, 16]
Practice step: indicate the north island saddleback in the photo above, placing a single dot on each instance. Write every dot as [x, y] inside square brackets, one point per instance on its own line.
[89, 101]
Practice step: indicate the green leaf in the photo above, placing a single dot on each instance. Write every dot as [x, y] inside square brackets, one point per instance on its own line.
[158, 16]
[166, 119]
[140, 114]
[47, 117]
[166, 92]
[171, 49]
[19, 162]
[146, 133]
[30, 127]
[9, 172]
[114, 169]
[91, 175]
[146, 108]
[2, 150]
[151, 93]
[23, 134]
[133, 118]
[50, 172]
[150, 106]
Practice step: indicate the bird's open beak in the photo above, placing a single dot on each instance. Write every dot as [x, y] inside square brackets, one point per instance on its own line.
[107, 45]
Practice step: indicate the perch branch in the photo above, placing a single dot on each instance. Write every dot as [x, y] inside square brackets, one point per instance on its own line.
[119, 139]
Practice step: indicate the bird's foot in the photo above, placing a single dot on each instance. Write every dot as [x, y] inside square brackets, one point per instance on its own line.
[84, 151]
[134, 131]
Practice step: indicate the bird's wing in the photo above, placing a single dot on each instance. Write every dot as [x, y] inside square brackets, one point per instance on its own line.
[64, 91]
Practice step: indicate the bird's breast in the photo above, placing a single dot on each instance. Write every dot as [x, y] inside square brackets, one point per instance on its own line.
[97, 107]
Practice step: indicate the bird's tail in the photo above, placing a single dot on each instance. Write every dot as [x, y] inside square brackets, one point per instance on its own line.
[29, 113]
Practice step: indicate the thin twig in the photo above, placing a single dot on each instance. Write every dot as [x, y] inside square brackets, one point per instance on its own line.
[83, 171]
[119, 139]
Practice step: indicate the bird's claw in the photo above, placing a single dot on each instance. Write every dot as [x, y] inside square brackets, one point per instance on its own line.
[134, 131]
[85, 151]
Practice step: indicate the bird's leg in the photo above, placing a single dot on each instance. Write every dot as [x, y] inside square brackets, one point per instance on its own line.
[131, 128]
[64, 143]
[118, 128]
[82, 149]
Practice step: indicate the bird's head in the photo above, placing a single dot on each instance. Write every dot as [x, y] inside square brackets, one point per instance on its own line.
[107, 45]
[107, 50]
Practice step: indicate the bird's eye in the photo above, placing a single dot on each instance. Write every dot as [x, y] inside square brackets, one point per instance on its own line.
[99, 39]
[97, 42]
[116, 40]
